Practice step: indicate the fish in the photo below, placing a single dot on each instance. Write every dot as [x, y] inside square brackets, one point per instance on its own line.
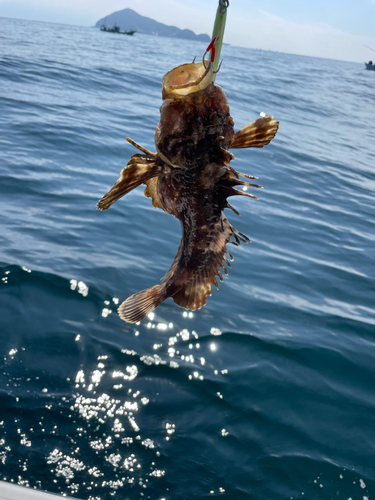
[190, 177]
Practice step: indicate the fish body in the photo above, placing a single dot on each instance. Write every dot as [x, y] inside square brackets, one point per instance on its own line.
[191, 178]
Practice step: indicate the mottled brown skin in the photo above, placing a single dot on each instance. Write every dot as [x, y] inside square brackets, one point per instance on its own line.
[188, 131]
[190, 177]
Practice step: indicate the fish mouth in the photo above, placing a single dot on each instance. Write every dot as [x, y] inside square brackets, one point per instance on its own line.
[186, 79]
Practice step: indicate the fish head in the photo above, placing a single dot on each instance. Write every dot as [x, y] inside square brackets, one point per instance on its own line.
[194, 114]
[187, 79]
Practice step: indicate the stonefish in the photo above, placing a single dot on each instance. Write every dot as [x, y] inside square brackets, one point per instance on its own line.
[190, 177]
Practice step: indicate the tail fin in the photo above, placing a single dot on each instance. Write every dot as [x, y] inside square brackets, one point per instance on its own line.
[256, 134]
[136, 307]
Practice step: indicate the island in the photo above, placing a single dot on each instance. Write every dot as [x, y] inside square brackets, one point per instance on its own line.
[129, 20]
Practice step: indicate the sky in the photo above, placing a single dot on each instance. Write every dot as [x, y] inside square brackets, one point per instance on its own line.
[333, 29]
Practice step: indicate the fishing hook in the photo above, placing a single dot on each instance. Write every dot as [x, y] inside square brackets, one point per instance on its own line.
[212, 48]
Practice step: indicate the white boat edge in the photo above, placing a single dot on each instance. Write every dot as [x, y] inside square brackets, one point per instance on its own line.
[10, 491]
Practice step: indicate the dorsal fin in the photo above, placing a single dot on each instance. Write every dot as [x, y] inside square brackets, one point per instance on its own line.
[194, 283]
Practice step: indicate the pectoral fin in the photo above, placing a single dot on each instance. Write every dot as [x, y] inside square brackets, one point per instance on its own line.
[151, 191]
[139, 170]
[256, 134]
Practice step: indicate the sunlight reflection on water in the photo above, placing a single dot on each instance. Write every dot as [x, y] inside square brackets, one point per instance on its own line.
[110, 431]
[108, 409]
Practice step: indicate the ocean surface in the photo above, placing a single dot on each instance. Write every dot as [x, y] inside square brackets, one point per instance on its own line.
[268, 392]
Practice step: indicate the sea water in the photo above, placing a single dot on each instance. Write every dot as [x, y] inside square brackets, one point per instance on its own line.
[268, 392]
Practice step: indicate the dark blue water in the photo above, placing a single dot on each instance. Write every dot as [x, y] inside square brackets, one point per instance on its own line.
[266, 393]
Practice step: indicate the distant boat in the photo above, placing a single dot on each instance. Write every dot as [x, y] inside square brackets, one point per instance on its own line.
[116, 29]
[370, 65]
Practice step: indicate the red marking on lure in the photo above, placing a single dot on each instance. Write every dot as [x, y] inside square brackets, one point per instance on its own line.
[212, 48]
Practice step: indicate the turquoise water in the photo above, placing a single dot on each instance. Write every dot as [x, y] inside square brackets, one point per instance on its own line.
[267, 392]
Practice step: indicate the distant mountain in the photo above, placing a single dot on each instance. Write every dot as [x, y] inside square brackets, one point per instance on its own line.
[129, 20]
